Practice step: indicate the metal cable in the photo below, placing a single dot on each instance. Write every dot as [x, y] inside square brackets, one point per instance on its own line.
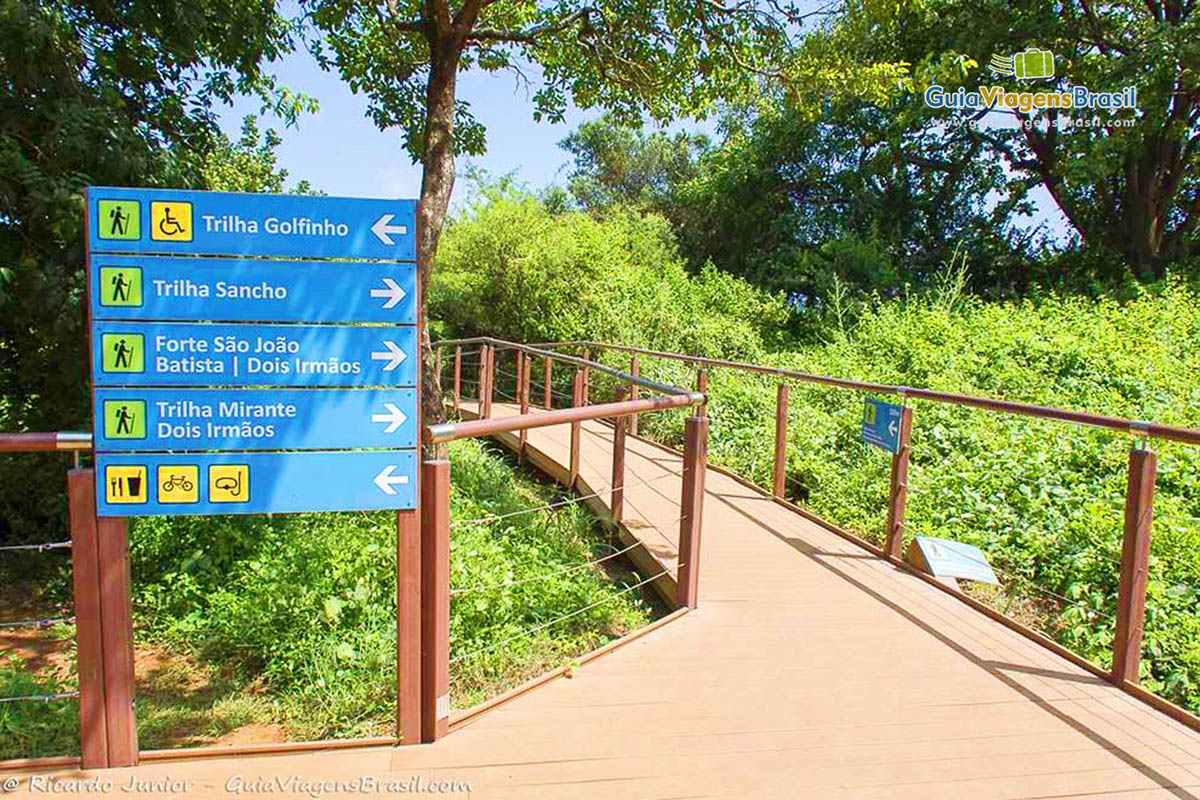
[37, 623]
[557, 620]
[544, 576]
[41, 548]
[43, 698]
[559, 504]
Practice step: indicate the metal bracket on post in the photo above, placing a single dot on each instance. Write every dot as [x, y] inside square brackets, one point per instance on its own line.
[898, 489]
[1135, 565]
[695, 458]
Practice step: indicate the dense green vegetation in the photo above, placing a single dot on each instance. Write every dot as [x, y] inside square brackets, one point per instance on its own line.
[1043, 500]
[290, 621]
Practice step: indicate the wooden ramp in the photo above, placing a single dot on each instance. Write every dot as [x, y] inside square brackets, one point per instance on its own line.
[811, 669]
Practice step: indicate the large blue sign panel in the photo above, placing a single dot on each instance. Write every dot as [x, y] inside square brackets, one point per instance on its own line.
[253, 419]
[187, 354]
[258, 290]
[124, 220]
[881, 424]
[254, 483]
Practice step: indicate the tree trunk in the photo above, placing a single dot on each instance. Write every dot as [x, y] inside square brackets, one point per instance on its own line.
[437, 183]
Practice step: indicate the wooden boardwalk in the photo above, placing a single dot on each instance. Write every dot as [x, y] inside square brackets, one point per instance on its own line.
[811, 669]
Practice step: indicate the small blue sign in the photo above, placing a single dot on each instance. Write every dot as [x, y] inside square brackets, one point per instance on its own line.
[189, 354]
[947, 558]
[123, 220]
[254, 483]
[251, 290]
[881, 424]
[253, 419]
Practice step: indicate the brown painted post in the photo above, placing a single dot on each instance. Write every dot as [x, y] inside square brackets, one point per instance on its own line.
[616, 501]
[695, 457]
[576, 429]
[1135, 564]
[518, 364]
[437, 365]
[483, 351]
[586, 395]
[702, 387]
[781, 421]
[89, 646]
[524, 370]
[435, 600]
[116, 629]
[898, 492]
[408, 626]
[457, 377]
[633, 392]
[546, 368]
[491, 382]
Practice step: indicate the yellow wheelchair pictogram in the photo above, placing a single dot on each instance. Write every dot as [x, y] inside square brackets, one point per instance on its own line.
[178, 484]
[171, 221]
[228, 483]
[125, 484]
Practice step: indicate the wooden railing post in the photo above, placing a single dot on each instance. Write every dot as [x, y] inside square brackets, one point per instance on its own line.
[695, 457]
[547, 400]
[898, 491]
[408, 626]
[435, 599]
[702, 387]
[116, 629]
[576, 429]
[518, 365]
[781, 422]
[491, 382]
[483, 357]
[586, 393]
[457, 377]
[89, 645]
[633, 393]
[617, 499]
[437, 365]
[1135, 565]
[524, 368]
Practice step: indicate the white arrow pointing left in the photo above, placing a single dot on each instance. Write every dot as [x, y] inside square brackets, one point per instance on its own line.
[394, 417]
[383, 228]
[394, 293]
[393, 355]
[892, 429]
[385, 480]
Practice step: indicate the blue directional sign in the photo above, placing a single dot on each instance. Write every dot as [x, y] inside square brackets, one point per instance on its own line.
[881, 424]
[254, 483]
[253, 419]
[259, 290]
[219, 223]
[188, 354]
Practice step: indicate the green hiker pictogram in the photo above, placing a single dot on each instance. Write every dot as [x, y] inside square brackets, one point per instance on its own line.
[120, 286]
[123, 352]
[125, 419]
[119, 219]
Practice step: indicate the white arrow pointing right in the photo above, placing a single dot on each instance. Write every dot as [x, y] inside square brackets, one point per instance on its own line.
[394, 293]
[393, 355]
[383, 227]
[385, 480]
[394, 417]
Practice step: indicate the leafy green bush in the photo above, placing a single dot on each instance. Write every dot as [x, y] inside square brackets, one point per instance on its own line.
[508, 267]
[305, 605]
[1044, 500]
